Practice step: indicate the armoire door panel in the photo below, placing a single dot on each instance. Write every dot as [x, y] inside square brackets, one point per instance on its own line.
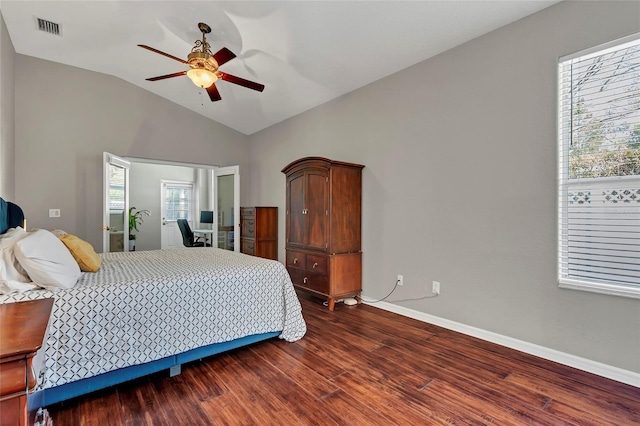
[297, 216]
[317, 210]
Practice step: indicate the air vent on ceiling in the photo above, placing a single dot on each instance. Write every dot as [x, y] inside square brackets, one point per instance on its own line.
[48, 26]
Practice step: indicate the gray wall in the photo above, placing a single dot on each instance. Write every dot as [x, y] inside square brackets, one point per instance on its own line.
[7, 115]
[66, 117]
[460, 182]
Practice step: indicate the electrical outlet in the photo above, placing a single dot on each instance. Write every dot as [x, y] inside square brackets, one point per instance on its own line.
[400, 280]
[435, 288]
[54, 212]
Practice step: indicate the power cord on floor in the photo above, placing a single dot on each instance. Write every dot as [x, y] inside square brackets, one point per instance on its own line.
[401, 300]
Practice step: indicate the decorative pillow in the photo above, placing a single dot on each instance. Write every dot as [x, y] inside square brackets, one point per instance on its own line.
[47, 260]
[13, 278]
[82, 252]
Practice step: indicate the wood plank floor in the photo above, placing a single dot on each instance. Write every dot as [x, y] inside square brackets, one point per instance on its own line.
[360, 365]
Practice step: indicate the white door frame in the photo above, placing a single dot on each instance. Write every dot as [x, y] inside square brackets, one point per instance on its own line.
[113, 160]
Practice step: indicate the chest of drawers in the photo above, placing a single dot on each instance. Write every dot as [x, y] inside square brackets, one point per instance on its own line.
[259, 231]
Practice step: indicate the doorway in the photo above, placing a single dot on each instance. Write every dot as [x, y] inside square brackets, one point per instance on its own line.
[145, 193]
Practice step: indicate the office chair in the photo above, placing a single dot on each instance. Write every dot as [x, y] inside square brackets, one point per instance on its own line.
[187, 235]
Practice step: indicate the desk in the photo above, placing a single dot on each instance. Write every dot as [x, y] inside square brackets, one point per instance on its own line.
[23, 326]
[206, 233]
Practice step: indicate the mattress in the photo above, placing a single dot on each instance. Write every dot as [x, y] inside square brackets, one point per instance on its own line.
[143, 306]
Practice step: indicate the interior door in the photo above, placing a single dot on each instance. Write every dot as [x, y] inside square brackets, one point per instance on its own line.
[115, 219]
[226, 208]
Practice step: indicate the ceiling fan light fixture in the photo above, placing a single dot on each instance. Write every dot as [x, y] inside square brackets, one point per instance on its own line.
[202, 77]
[204, 66]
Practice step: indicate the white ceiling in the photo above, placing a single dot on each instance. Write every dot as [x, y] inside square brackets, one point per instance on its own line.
[305, 53]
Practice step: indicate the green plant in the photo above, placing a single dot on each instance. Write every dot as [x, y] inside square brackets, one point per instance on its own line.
[135, 221]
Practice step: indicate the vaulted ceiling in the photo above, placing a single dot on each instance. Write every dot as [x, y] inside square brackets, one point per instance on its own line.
[304, 52]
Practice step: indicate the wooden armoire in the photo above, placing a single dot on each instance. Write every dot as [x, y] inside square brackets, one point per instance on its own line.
[323, 227]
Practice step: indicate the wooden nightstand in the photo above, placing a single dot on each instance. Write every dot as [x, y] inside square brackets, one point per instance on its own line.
[23, 326]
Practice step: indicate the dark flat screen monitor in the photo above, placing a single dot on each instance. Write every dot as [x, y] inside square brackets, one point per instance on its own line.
[206, 216]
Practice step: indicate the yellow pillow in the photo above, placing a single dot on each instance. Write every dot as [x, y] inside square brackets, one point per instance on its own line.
[88, 260]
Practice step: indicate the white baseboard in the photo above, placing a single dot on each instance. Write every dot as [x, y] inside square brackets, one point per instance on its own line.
[604, 370]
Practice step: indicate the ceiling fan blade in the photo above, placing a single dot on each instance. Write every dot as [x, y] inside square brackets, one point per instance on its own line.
[163, 54]
[162, 77]
[214, 95]
[240, 81]
[223, 55]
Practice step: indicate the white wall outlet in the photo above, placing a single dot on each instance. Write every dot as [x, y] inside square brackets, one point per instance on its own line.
[54, 212]
[435, 288]
[400, 280]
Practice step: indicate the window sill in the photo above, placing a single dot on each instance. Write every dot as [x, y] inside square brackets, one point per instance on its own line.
[609, 289]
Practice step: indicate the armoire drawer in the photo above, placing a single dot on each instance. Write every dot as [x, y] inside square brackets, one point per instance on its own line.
[316, 282]
[296, 259]
[317, 264]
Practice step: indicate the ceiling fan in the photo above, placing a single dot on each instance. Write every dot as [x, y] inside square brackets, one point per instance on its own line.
[204, 66]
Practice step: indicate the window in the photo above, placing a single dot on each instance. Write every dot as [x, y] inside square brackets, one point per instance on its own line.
[178, 200]
[116, 188]
[599, 169]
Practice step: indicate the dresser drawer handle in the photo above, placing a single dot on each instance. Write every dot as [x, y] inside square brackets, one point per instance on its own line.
[315, 265]
[295, 260]
[305, 280]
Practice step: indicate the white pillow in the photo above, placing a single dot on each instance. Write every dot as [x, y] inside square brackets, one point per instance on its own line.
[12, 276]
[47, 260]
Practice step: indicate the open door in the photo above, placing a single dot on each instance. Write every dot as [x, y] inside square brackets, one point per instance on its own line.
[226, 208]
[115, 219]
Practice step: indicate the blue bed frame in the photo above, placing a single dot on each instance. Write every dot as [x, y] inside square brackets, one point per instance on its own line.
[173, 363]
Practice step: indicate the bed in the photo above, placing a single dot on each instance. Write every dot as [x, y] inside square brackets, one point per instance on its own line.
[148, 311]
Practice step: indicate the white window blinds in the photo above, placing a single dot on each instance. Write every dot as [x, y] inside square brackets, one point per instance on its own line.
[599, 169]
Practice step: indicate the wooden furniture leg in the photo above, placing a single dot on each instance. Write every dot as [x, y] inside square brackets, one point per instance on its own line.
[332, 303]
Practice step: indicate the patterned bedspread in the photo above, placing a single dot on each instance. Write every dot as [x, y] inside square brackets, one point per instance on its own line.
[146, 305]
